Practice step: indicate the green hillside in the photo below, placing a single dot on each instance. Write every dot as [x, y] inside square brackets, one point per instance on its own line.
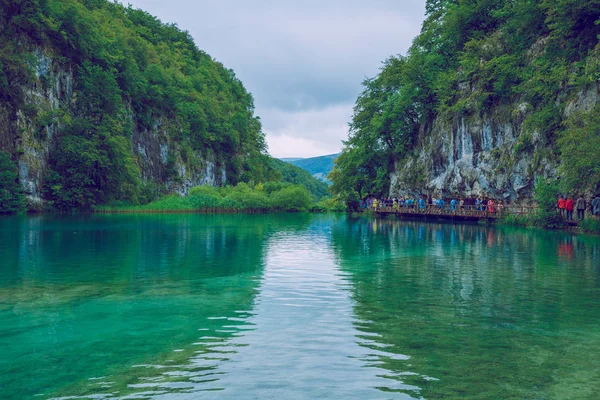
[318, 167]
[104, 103]
[521, 74]
[294, 174]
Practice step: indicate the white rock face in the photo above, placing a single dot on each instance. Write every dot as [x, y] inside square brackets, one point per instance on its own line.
[490, 156]
[53, 91]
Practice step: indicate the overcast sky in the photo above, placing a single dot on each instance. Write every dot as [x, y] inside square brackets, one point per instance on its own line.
[303, 61]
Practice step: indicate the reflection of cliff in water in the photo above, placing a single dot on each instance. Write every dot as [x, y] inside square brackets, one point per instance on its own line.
[482, 312]
[136, 287]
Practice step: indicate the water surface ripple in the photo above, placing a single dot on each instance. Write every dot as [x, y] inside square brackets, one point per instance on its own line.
[294, 307]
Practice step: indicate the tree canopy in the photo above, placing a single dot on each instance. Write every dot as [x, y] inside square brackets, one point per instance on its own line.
[12, 198]
[472, 56]
[132, 72]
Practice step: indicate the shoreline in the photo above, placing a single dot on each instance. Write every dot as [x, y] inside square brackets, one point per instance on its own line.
[183, 211]
[572, 227]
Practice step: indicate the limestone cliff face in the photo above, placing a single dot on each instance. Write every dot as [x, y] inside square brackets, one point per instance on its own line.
[28, 134]
[492, 155]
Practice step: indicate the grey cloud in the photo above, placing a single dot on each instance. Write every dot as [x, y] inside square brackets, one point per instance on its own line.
[307, 133]
[317, 50]
[297, 56]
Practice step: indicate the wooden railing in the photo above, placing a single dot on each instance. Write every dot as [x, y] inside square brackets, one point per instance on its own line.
[465, 211]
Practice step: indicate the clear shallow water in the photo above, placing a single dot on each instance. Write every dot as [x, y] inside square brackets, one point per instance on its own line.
[294, 306]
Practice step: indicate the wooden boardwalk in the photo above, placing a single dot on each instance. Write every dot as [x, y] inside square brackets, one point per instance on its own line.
[465, 213]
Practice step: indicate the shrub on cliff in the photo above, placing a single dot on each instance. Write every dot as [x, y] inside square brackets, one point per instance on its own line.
[579, 144]
[131, 73]
[546, 194]
[475, 59]
[12, 198]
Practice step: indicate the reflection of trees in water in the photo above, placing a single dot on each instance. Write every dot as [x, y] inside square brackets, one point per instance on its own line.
[133, 286]
[490, 312]
[113, 248]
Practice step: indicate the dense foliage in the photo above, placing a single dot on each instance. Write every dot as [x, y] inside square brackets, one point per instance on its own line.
[270, 196]
[470, 57]
[132, 72]
[12, 198]
[580, 146]
[298, 176]
[546, 195]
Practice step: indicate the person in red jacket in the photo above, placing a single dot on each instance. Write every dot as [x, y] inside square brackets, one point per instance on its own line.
[569, 206]
[561, 206]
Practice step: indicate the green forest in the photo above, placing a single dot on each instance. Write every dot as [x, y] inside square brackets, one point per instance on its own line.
[473, 56]
[319, 167]
[131, 72]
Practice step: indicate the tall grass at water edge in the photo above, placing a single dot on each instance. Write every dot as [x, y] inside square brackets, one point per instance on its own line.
[590, 225]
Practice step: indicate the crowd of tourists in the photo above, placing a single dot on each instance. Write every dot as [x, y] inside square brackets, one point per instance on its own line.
[438, 204]
[566, 206]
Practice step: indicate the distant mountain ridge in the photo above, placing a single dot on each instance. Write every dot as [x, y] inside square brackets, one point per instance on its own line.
[319, 167]
[289, 160]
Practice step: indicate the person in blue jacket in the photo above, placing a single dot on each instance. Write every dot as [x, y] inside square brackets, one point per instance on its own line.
[453, 204]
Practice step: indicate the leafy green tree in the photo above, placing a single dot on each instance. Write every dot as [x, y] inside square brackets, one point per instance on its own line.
[133, 73]
[295, 175]
[579, 144]
[73, 183]
[292, 198]
[350, 179]
[474, 58]
[546, 195]
[12, 198]
[384, 128]
[573, 25]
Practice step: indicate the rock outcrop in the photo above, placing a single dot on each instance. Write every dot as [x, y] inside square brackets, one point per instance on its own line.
[28, 133]
[492, 155]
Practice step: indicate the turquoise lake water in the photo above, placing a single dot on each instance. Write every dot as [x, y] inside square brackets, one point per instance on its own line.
[294, 307]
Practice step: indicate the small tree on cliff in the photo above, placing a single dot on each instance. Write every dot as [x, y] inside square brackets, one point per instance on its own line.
[12, 198]
[545, 195]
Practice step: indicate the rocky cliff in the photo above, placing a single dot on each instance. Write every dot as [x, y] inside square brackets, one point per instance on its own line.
[490, 97]
[492, 155]
[102, 103]
[496, 151]
[30, 137]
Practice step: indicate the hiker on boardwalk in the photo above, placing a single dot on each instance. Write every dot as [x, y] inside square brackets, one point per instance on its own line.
[580, 206]
[561, 206]
[569, 206]
[461, 205]
[421, 204]
[440, 204]
[453, 204]
[491, 206]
